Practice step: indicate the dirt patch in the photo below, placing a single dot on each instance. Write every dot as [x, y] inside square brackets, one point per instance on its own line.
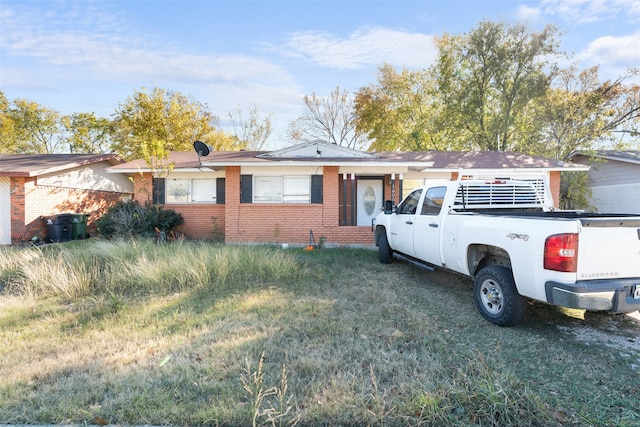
[618, 332]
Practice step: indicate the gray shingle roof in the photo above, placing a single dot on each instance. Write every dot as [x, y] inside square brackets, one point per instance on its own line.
[629, 156]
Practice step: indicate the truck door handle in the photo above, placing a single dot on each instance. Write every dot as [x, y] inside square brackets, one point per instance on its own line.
[409, 222]
[434, 225]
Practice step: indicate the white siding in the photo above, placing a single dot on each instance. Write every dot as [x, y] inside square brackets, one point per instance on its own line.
[5, 211]
[623, 198]
[94, 177]
[612, 172]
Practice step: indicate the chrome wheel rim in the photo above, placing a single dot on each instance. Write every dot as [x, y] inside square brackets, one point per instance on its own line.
[491, 296]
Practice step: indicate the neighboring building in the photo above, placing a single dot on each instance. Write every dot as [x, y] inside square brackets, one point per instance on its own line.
[312, 189]
[34, 186]
[614, 179]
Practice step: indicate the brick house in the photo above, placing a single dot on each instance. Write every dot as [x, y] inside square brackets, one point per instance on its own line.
[35, 186]
[311, 190]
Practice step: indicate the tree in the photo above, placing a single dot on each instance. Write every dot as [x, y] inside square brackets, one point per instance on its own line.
[331, 119]
[476, 96]
[30, 128]
[150, 125]
[488, 78]
[252, 132]
[581, 112]
[86, 133]
[8, 136]
[400, 112]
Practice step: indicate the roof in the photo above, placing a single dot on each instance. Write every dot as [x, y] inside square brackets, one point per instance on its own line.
[29, 165]
[326, 155]
[628, 156]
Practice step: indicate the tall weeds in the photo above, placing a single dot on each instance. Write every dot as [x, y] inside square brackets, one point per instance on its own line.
[133, 268]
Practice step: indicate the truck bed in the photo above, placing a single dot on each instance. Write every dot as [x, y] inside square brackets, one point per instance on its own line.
[588, 219]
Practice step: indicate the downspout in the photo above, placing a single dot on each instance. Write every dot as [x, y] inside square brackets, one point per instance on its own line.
[353, 199]
[344, 198]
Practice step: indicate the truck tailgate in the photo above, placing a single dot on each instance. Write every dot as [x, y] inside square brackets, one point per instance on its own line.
[609, 248]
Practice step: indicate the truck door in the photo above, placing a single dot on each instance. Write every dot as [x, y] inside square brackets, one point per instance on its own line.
[401, 236]
[427, 226]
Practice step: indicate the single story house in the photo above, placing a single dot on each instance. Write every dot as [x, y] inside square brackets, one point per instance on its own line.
[614, 179]
[37, 186]
[311, 191]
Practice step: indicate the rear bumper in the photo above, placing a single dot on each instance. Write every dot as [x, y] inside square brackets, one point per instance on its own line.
[615, 296]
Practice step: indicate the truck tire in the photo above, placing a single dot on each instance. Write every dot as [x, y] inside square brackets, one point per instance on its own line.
[497, 298]
[385, 253]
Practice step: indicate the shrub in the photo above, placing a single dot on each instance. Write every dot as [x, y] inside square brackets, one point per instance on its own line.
[129, 219]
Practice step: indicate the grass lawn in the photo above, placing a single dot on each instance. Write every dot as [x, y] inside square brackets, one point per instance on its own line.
[196, 334]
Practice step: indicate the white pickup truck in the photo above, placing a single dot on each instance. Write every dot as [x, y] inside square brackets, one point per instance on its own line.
[506, 235]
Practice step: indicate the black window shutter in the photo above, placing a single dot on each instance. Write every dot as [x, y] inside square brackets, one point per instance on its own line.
[220, 191]
[158, 191]
[246, 188]
[316, 188]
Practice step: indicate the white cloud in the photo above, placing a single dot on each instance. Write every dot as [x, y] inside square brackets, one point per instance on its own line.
[586, 11]
[363, 48]
[527, 14]
[92, 47]
[612, 51]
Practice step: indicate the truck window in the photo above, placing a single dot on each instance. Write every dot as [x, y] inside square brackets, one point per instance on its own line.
[409, 205]
[433, 201]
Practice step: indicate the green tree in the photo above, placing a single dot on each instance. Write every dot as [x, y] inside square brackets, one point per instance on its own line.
[30, 128]
[400, 112]
[331, 119]
[487, 79]
[149, 125]
[581, 112]
[251, 132]
[476, 96]
[86, 133]
[8, 135]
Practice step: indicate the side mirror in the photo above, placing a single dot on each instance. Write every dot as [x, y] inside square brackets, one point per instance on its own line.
[388, 207]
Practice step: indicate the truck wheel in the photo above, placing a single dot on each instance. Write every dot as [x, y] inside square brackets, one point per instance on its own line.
[497, 298]
[385, 253]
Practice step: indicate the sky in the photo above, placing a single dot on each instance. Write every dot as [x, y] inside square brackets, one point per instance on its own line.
[92, 55]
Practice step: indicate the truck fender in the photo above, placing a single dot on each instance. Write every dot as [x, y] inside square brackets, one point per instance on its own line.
[480, 256]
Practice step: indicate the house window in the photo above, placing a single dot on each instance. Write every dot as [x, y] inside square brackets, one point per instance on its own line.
[185, 190]
[282, 189]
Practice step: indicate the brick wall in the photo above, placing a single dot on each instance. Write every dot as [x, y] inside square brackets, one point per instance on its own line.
[30, 202]
[290, 223]
[205, 221]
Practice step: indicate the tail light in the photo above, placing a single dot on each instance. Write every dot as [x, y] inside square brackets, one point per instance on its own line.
[561, 252]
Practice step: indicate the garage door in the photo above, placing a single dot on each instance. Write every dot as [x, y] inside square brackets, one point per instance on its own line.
[5, 211]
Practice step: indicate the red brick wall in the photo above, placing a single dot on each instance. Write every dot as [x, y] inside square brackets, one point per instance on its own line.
[30, 202]
[289, 223]
[205, 221]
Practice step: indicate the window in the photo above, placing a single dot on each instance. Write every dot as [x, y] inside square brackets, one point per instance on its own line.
[282, 189]
[185, 190]
[433, 201]
[409, 205]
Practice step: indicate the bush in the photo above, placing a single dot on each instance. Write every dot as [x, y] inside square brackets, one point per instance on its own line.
[129, 219]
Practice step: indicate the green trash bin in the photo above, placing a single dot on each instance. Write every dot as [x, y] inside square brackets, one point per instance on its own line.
[79, 227]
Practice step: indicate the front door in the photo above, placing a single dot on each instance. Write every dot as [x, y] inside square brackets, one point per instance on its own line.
[369, 200]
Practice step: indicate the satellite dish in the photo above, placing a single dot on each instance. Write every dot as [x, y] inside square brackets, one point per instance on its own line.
[202, 149]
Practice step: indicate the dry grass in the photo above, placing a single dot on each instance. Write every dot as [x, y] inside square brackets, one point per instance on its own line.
[195, 334]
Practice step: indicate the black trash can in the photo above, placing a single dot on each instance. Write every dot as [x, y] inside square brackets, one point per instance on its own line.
[79, 226]
[58, 227]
